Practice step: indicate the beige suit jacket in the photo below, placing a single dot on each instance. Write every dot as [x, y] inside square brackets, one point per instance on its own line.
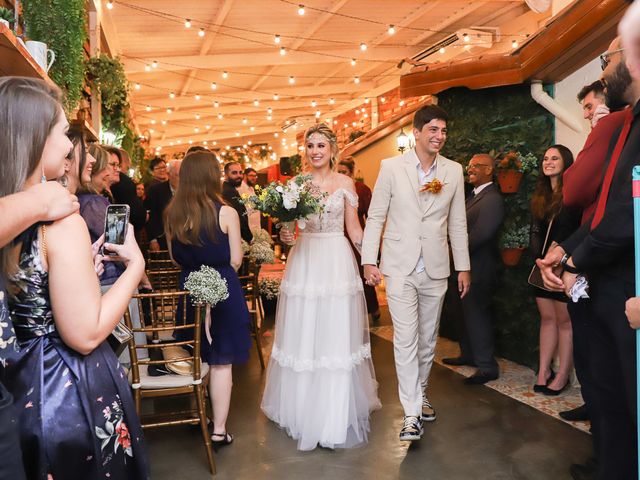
[416, 222]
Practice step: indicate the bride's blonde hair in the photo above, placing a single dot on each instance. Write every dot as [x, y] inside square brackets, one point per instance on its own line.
[326, 132]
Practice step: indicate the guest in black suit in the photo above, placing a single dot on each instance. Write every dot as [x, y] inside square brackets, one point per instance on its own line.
[603, 249]
[233, 179]
[485, 212]
[124, 191]
[158, 197]
[159, 172]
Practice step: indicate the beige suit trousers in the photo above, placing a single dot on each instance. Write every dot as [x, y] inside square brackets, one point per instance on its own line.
[415, 303]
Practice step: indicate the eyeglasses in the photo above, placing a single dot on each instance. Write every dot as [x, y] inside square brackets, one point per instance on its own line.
[477, 165]
[114, 165]
[604, 58]
[160, 167]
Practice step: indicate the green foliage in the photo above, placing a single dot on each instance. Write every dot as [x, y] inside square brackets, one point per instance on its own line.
[7, 14]
[355, 134]
[514, 236]
[61, 25]
[106, 76]
[131, 143]
[295, 161]
[497, 121]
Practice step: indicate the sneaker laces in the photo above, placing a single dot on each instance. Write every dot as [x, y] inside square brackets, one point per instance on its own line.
[425, 402]
[410, 422]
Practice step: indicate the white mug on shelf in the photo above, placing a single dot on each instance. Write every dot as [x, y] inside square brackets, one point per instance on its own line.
[40, 54]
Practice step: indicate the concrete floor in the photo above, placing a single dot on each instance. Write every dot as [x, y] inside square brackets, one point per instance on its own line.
[479, 434]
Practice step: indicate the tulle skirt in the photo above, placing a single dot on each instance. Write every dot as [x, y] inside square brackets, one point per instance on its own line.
[321, 384]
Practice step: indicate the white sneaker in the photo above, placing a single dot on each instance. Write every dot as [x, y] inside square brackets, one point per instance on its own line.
[411, 429]
[428, 413]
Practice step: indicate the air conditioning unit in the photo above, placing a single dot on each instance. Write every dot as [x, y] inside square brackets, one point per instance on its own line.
[471, 38]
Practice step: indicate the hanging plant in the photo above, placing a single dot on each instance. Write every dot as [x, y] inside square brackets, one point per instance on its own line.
[61, 24]
[106, 76]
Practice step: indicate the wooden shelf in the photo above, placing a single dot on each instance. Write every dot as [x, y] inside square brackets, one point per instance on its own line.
[15, 59]
[88, 130]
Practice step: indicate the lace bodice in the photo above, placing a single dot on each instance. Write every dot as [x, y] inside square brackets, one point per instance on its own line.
[332, 219]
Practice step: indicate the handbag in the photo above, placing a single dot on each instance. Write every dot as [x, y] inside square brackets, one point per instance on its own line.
[535, 277]
[119, 338]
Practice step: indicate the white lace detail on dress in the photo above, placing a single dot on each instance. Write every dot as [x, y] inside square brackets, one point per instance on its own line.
[332, 219]
[330, 363]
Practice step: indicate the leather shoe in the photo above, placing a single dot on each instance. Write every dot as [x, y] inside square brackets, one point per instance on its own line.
[578, 414]
[457, 362]
[552, 393]
[480, 378]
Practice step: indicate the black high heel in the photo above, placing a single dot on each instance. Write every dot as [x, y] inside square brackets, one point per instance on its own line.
[542, 388]
[552, 393]
[227, 439]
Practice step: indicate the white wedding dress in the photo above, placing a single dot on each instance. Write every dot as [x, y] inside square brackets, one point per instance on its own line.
[321, 385]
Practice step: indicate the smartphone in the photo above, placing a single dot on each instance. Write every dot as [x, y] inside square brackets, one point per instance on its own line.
[115, 225]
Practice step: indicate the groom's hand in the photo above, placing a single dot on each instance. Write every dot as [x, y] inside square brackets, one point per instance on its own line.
[464, 283]
[372, 275]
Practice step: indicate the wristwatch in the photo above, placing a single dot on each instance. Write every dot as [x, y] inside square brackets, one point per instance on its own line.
[567, 267]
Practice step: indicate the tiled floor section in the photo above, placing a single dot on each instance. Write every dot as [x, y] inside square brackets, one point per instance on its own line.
[516, 381]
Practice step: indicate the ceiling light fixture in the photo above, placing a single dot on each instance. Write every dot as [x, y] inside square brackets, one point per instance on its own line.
[154, 64]
[283, 51]
[300, 9]
[187, 23]
[213, 85]
[201, 33]
[391, 30]
[363, 46]
[356, 79]
[225, 74]
[276, 39]
[137, 86]
[110, 5]
[256, 103]
[292, 80]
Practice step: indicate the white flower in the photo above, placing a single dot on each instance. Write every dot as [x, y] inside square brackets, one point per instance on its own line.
[289, 201]
[279, 189]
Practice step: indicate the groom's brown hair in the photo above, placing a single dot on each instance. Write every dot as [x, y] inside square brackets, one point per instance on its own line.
[428, 113]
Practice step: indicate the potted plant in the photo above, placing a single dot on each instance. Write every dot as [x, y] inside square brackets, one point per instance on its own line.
[7, 16]
[511, 168]
[513, 241]
[106, 75]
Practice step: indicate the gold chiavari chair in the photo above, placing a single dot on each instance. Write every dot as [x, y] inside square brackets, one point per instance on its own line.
[165, 280]
[160, 260]
[251, 290]
[193, 372]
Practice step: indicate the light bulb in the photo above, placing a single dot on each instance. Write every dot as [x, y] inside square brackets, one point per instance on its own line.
[208, 127]
[196, 130]
[283, 51]
[313, 103]
[292, 80]
[269, 117]
[245, 121]
[213, 85]
[382, 99]
[147, 68]
[220, 116]
[137, 86]
[301, 9]
[197, 97]
[276, 39]
[366, 100]
[514, 44]
[172, 95]
[252, 128]
[363, 46]
[164, 122]
[197, 116]
[154, 64]
[465, 37]
[401, 103]
[110, 5]
[153, 122]
[356, 79]
[148, 108]
[225, 74]
[187, 23]
[256, 103]
[201, 32]
[391, 30]
[216, 104]
[269, 111]
[318, 113]
[169, 111]
[353, 62]
[276, 96]
[332, 101]
[442, 50]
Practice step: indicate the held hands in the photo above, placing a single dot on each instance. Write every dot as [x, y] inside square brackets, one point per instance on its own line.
[464, 283]
[632, 310]
[128, 253]
[372, 275]
[551, 270]
[56, 200]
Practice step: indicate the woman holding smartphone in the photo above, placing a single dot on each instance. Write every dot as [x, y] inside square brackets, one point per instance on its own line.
[77, 416]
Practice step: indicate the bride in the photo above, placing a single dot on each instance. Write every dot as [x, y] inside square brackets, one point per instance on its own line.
[321, 385]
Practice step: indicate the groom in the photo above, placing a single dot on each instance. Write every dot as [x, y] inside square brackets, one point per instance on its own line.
[420, 196]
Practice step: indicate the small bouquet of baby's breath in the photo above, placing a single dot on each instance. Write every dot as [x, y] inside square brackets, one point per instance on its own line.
[261, 252]
[269, 288]
[245, 246]
[207, 286]
[260, 235]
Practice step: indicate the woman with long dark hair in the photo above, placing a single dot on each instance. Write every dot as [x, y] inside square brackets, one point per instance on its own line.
[202, 230]
[77, 416]
[555, 324]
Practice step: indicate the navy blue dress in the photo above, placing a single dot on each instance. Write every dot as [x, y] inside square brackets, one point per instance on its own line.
[230, 326]
[77, 418]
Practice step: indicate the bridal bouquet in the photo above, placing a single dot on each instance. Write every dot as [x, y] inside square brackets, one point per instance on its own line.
[296, 199]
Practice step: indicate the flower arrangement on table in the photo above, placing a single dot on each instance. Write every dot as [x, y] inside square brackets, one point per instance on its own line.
[207, 286]
[288, 202]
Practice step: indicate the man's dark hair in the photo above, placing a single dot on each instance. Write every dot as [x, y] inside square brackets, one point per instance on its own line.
[196, 148]
[428, 113]
[154, 162]
[348, 163]
[596, 87]
[248, 170]
[114, 150]
[227, 166]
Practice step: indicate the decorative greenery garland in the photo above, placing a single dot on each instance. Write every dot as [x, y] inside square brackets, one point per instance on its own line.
[61, 25]
[106, 75]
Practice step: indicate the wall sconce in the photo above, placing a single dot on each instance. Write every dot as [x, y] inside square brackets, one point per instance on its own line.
[402, 140]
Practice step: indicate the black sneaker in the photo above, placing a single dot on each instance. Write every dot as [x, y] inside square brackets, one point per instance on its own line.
[411, 429]
[428, 413]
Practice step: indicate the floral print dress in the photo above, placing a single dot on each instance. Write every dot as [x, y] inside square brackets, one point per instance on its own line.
[77, 415]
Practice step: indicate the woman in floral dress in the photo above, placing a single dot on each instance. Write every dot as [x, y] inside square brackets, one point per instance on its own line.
[76, 415]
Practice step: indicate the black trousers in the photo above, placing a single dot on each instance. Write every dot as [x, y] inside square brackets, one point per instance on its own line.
[10, 453]
[612, 347]
[579, 314]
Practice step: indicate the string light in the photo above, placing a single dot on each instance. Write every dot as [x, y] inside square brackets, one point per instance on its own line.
[252, 128]
[276, 96]
[197, 97]
[382, 99]
[313, 103]
[391, 30]
[164, 122]
[269, 111]
[276, 39]
[356, 79]
[197, 116]
[172, 95]
[318, 113]
[196, 130]
[245, 121]
[269, 117]
[214, 85]
[366, 100]
[283, 51]
[363, 46]
[154, 64]
[187, 23]
[353, 62]
[216, 104]
[153, 122]
[137, 86]
[442, 50]
[110, 5]
[208, 127]
[220, 116]
[300, 9]
[148, 108]
[332, 101]
[514, 44]
[201, 33]
[465, 37]
[292, 80]
[147, 68]
[225, 74]
[401, 103]
[169, 111]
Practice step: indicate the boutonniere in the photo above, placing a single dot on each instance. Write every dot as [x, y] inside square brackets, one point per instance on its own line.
[434, 186]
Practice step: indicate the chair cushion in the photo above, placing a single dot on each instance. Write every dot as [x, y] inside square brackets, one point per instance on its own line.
[166, 381]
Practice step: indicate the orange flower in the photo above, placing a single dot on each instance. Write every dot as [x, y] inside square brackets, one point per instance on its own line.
[434, 186]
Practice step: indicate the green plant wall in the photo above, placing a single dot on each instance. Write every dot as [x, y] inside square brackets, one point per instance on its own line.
[496, 120]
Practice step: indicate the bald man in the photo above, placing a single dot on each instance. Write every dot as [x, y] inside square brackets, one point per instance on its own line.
[485, 212]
